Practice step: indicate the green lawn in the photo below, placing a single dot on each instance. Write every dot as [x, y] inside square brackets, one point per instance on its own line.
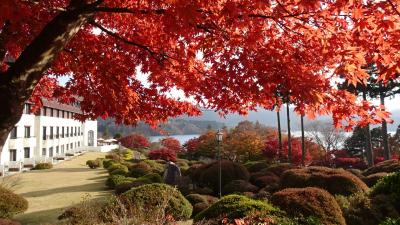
[49, 192]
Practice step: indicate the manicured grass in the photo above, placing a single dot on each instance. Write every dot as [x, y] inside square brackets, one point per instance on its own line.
[49, 192]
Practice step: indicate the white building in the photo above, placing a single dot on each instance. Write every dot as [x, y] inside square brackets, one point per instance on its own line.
[49, 134]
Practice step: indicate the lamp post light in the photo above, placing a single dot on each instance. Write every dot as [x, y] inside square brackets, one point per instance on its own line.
[218, 136]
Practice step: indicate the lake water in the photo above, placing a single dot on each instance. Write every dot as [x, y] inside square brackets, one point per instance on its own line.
[181, 138]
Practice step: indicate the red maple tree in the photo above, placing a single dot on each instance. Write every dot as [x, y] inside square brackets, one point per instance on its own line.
[162, 153]
[171, 143]
[134, 141]
[231, 56]
[271, 151]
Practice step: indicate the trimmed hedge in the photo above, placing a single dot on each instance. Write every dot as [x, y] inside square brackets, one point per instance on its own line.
[118, 166]
[309, 201]
[234, 206]
[388, 166]
[139, 169]
[208, 175]
[126, 185]
[335, 181]
[43, 166]
[238, 186]
[108, 162]
[255, 166]
[149, 197]
[115, 180]
[372, 179]
[11, 203]
[200, 202]
[389, 186]
[118, 172]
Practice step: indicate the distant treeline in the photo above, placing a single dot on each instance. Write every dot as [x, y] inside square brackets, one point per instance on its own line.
[172, 127]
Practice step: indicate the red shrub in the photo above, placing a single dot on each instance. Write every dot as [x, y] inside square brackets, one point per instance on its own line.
[191, 145]
[135, 141]
[162, 153]
[272, 146]
[350, 162]
[171, 143]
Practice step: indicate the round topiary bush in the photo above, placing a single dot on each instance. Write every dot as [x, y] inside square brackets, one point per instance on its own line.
[279, 169]
[115, 180]
[309, 202]
[43, 166]
[151, 178]
[335, 181]
[93, 164]
[389, 186]
[255, 166]
[118, 172]
[11, 203]
[388, 166]
[126, 186]
[150, 196]
[234, 206]
[156, 167]
[113, 167]
[263, 181]
[208, 175]
[200, 202]
[139, 169]
[108, 162]
[113, 156]
[372, 179]
[238, 186]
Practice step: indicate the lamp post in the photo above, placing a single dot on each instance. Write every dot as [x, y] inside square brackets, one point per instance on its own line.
[218, 136]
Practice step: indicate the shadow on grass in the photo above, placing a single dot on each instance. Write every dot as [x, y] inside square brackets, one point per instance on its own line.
[46, 217]
[92, 187]
[40, 217]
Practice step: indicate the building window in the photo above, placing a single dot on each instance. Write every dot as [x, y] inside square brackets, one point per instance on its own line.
[27, 153]
[51, 152]
[51, 132]
[43, 111]
[62, 132]
[14, 133]
[67, 146]
[67, 131]
[27, 108]
[13, 154]
[71, 146]
[58, 132]
[44, 152]
[58, 113]
[62, 149]
[57, 150]
[72, 132]
[27, 132]
[51, 112]
[91, 138]
[79, 131]
[44, 133]
[75, 131]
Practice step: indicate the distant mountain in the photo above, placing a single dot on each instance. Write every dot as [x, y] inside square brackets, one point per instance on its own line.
[269, 118]
[172, 127]
[211, 119]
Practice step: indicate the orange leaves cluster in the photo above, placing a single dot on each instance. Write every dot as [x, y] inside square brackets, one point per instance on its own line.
[231, 56]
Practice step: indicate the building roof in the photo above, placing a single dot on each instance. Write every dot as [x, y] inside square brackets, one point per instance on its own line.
[57, 105]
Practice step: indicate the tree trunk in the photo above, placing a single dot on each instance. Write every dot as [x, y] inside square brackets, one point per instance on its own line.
[19, 81]
[368, 143]
[386, 151]
[279, 134]
[289, 135]
[303, 147]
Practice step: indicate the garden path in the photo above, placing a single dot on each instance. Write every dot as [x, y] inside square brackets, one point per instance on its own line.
[49, 192]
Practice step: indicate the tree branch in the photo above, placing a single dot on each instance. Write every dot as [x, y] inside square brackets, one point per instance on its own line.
[393, 6]
[159, 57]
